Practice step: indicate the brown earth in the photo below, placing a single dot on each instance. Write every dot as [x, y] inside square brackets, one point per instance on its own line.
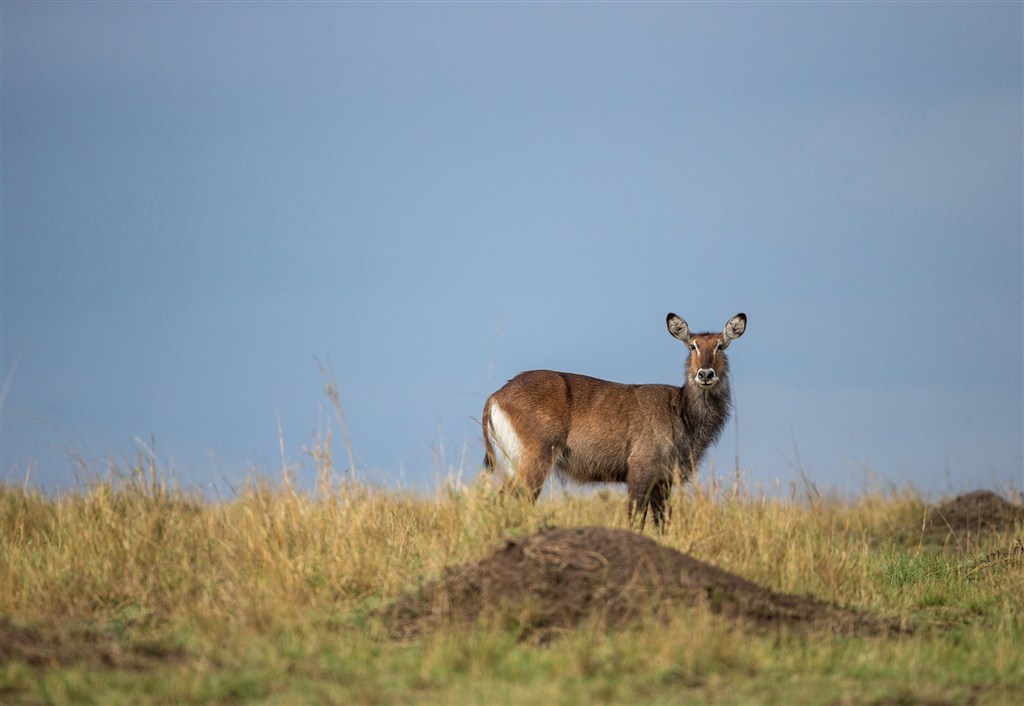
[58, 645]
[970, 516]
[556, 579]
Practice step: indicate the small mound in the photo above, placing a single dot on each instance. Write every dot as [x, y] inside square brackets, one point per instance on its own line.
[1006, 558]
[971, 514]
[556, 579]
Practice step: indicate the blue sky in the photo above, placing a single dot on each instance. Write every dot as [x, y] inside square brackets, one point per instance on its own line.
[202, 200]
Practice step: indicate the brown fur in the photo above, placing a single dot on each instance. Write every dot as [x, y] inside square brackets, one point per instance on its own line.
[599, 431]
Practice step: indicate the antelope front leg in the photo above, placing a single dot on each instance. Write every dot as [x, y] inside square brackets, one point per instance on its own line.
[648, 492]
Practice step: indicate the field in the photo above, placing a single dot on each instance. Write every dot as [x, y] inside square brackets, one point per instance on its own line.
[132, 591]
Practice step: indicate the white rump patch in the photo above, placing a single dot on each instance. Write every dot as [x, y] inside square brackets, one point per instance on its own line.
[504, 437]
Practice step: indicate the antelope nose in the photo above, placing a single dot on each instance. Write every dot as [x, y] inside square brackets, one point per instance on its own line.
[705, 374]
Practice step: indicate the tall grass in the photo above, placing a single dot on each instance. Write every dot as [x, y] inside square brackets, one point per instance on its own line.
[271, 596]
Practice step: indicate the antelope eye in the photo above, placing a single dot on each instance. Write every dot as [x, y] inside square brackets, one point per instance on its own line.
[719, 347]
[693, 347]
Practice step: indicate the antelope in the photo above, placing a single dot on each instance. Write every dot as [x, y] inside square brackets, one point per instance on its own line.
[597, 431]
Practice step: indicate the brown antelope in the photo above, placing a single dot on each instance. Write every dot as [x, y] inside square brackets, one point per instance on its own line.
[596, 431]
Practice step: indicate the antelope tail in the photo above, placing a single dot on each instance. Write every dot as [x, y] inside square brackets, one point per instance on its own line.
[489, 460]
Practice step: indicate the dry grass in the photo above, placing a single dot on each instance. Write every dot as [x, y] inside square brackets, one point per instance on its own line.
[270, 596]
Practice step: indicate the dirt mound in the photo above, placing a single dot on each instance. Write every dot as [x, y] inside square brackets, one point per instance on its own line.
[555, 579]
[971, 514]
[1006, 558]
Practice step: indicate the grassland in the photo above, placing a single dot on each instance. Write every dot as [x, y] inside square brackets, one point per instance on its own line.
[134, 592]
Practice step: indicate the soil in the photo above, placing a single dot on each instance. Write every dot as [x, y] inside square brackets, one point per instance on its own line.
[58, 645]
[555, 579]
[971, 515]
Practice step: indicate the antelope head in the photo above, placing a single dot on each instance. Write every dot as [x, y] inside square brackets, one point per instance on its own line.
[707, 365]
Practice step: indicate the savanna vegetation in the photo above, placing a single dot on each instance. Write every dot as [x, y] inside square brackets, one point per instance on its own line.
[132, 591]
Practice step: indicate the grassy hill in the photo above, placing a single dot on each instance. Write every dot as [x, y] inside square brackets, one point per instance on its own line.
[132, 591]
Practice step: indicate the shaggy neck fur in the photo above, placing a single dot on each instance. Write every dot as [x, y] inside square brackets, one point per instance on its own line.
[704, 413]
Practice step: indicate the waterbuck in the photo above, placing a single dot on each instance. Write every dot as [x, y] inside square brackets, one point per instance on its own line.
[596, 431]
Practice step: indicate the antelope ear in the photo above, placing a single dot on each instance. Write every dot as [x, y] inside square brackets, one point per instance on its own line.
[734, 329]
[678, 328]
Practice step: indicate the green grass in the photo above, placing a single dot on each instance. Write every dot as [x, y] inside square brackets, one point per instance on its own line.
[132, 592]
